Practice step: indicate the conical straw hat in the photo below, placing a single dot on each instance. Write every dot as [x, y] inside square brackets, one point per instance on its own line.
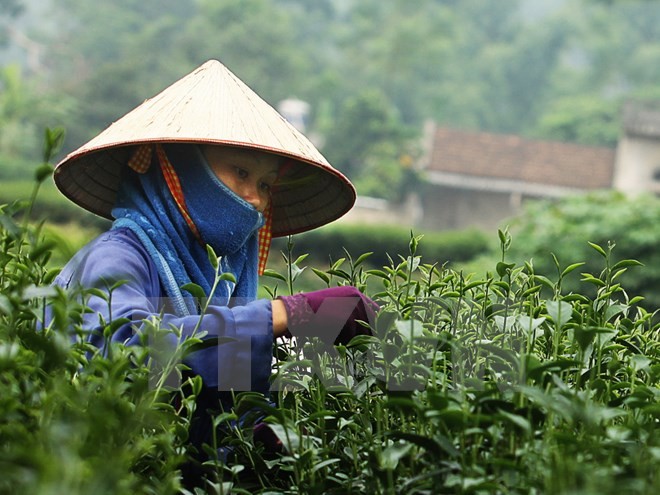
[211, 106]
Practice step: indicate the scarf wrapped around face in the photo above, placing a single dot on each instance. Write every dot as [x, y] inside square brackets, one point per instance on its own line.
[165, 218]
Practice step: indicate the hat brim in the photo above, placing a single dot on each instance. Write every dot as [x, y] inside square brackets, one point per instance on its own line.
[306, 197]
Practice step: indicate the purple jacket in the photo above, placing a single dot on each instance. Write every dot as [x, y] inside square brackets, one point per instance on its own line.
[117, 255]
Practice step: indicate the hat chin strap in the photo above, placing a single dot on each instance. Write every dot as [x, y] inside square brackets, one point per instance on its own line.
[265, 237]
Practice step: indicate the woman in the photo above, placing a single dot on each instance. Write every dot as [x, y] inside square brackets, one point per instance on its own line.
[205, 166]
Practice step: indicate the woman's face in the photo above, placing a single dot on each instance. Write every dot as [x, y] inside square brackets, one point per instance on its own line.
[249, 174]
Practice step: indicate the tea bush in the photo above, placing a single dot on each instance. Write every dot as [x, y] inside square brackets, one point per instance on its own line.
[563, 228]
[385, 241]
[503, 383]
[73, 420]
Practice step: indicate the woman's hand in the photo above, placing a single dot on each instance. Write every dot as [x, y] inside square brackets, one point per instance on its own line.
[331, 314]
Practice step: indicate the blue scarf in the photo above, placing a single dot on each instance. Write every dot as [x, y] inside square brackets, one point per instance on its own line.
[227, 223]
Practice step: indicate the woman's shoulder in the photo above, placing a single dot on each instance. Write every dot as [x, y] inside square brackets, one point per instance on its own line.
[119, 238]
[117, 252]
[119, 247]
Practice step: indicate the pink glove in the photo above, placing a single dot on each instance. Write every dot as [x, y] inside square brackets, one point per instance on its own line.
[330, 314]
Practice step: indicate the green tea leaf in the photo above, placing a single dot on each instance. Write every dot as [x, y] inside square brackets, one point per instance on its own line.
[194, 289]
[559, 311]
[273, 274]
[600, 250]
[390, 457]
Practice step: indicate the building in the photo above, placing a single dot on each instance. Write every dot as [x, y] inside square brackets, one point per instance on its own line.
[638, 151]
[480, 179]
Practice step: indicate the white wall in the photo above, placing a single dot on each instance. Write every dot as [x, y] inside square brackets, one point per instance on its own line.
[637, 160]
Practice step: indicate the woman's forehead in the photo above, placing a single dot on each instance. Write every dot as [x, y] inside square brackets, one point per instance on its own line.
[246, 157]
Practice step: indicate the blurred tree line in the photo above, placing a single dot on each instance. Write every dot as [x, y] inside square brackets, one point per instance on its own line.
[372, 71]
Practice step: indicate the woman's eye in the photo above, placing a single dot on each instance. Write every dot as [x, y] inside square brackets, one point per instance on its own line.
[241, 172]
[265, 187]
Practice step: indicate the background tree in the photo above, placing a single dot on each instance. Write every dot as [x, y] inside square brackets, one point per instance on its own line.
[8, 9]
[585, 119]
[364, 123]
[552, 70]
[112, 55]
[500, 66]
[256, 39]
[403, 52]
[500, 77]
[25, 110]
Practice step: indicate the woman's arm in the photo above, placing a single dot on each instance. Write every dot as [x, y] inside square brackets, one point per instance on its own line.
[279, 318]
[251, 327]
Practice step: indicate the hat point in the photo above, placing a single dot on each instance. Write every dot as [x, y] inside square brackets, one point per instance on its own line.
[209, 107]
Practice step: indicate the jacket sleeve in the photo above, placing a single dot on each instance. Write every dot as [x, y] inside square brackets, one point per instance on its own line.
[118, 266]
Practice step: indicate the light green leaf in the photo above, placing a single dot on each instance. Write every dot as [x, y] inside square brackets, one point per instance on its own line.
[288, 436]
[194, 289]
[529, 324]
[570, 268]
[559, 311]
[516, 420]
[639, 362]
[410, 329]
[273, 274]
[213, 258]
[390, 457]
[321, 274]
[599, 249]
[614, 310]
[325, 463]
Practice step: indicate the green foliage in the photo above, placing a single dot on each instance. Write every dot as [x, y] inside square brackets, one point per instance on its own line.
[367, 129]
[582, 119]
[17, 134]
[500, 384]
[500, 75]
[504, 383]
[24, 111]
[560, 232]
[330, 243]
[255, 30]
[71, 419]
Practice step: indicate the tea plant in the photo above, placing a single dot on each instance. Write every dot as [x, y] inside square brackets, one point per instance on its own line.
[74, 420]
[501, 383]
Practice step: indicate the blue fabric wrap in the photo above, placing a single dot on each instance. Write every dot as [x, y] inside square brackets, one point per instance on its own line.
[227, 223]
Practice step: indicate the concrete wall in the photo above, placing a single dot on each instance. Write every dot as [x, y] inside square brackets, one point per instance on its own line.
[449, 208]
[375, 211]
[637, 168]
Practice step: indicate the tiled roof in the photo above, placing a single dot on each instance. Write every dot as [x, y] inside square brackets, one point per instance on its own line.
[510, 157]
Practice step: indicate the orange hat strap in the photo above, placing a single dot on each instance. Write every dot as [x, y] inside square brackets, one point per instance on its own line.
[174, 185]
[141, 161]
[266, 231]
[265, 236]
